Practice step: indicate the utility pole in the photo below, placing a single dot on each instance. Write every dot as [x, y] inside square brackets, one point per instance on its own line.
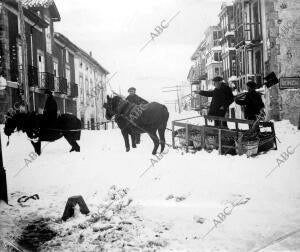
[24, 55]
[176, 89]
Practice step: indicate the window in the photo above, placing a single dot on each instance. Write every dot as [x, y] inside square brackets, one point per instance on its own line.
[217, 56]
[67, 56]
[81, 89]
[68, 77]
[217, 71]
[87, 91]
[48, 37]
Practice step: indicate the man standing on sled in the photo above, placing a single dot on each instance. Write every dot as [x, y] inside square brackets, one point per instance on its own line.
[134, 98]
[222, 97]
[252, 101]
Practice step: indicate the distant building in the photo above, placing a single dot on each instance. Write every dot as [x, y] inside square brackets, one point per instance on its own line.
[91, 77]
[197, 77]
[213, 63]
[53, 62]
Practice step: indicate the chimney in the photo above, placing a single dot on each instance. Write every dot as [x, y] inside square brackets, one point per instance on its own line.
[91, 54]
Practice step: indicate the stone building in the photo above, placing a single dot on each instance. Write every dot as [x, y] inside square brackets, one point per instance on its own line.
[53, 62]
[91, 77]
[281, 36]
[197, 78]
[213, 63]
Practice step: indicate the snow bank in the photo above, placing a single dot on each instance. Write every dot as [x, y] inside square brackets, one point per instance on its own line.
[174, 204]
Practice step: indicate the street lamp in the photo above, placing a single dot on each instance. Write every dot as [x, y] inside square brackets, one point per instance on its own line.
[3, 184]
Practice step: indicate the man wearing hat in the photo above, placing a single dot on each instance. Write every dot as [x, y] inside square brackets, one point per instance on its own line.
[50, 109]
[133, 98]
[222, 97]
[253, 102]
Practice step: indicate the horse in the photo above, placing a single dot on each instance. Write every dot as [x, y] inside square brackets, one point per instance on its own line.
[152, 117]
[38, 129]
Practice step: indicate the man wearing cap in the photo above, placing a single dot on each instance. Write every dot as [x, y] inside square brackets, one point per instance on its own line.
[50, 109]
[253, 102]
[133, 98]
[222, 97]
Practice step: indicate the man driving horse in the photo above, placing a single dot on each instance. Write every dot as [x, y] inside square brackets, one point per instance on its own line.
[134, 98]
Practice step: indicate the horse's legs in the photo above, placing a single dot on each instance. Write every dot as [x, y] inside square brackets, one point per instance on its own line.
[155, 140]
[37, 147]
[138, 138]
[161, 133]
[73, 143]
[133, 140]
[126, 139]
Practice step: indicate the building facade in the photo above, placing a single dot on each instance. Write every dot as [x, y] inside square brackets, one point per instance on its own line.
[197, 77]
[281, 54]
[91, 77]
[213, 63]
[52, 62]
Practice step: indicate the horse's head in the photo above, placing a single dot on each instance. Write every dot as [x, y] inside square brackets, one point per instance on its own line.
[112, 106]
[10, 122]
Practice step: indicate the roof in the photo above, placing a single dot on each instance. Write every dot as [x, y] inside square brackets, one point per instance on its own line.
[63, 39]
[36, 4]
[201, 46]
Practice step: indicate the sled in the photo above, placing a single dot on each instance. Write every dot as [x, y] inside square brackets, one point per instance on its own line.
[225, 140]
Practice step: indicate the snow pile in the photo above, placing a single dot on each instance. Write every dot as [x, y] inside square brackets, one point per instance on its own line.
[183, 202]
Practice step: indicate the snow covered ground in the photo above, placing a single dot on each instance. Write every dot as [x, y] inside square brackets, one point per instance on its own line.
[183, 202]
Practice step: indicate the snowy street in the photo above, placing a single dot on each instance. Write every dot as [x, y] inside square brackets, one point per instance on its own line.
[174, 206]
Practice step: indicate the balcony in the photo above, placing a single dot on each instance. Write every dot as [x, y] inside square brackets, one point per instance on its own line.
[46, 81]
[33, 79]
[74, 90]
[248, 32]
[63, 85]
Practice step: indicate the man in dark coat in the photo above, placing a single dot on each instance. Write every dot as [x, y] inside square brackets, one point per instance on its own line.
[252, 101]
[50, 109]
[133, 98]
[222, 97]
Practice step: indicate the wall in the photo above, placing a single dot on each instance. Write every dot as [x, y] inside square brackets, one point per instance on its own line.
[282, 38]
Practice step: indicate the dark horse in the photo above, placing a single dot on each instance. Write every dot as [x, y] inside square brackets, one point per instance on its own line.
[153, 117]
[35, 126]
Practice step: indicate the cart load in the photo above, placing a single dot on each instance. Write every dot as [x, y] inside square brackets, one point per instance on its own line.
[243, 137]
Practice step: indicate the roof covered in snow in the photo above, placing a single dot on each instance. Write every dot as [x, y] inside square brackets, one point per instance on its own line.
[37, 3]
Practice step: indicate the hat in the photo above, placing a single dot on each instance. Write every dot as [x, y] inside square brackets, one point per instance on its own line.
[48, 91]
[217, 79]
[132, 89]
[251, 84]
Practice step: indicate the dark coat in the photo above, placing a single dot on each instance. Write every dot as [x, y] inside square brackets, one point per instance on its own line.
[50, 109]
[253, 104]
[136, 99]
[221, 97]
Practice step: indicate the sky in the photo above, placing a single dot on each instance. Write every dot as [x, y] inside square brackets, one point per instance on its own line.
[115, 32]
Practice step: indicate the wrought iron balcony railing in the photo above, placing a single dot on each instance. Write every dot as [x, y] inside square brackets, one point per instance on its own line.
[63, 85]
[46, 81]
[248, 32]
